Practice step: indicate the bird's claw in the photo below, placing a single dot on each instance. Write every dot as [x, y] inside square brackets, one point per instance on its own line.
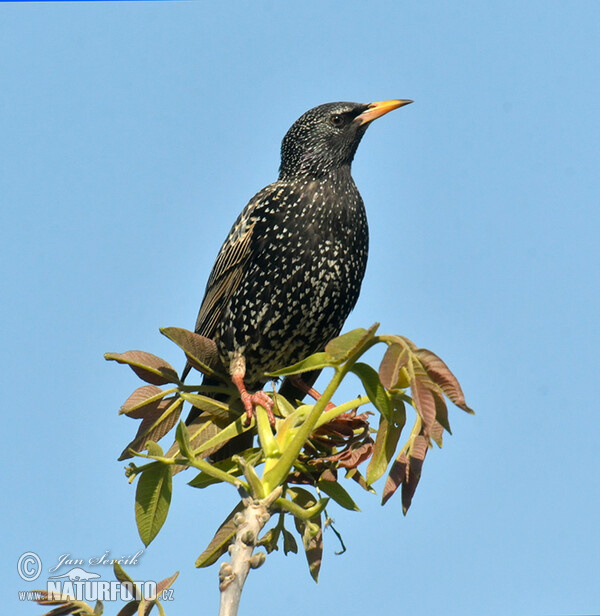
[251, 401]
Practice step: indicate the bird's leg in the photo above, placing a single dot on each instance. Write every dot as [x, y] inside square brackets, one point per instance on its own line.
[297, 381]
[251, 401]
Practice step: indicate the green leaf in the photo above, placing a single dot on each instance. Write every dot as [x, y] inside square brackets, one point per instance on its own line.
[120, 573]
[373, 387]
[342, 347]
[148, 367]
[289, 542]
[206, 437]
[201, 352]
[207, 404]
[183, 440]
[152, 501]
[394, 359]
[386, 442]
[220, 542]
[339, 494]
[317, 361]
[202, 480]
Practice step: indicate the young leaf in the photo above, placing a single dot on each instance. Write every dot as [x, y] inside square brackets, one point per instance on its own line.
[317, 361]
[129, 609]
[410, 484]
[396, 477]
[142, 396]
[439, 373]
[310, 530]
[200, 431]
[289, 542]
[437, 433]
[166, 583]
[182, 437]
[354, 474]
[253, 456]
[148, 367]
[120, 573]
[219, 543]
[201, 352]
[343, 346]
[386, 442]
[394, 359]
[373, 387]
[209, 405]
[160, 417]
[423, 398]
[152, 500]
[441, 412]
[339, 494]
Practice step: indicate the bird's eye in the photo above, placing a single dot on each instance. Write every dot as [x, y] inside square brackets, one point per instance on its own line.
[336, 119]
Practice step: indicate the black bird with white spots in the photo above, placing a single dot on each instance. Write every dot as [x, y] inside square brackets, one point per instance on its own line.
[291, 268]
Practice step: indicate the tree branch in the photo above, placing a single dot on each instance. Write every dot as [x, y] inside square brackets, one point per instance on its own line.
[232, 575]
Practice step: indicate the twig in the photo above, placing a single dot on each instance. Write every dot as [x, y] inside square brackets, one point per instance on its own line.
[232, 575]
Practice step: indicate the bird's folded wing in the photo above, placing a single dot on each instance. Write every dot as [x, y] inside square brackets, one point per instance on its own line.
[228, 270]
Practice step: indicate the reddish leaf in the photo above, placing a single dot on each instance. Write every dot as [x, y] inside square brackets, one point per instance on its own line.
[410, 484]
[441, 374]
[437, 433]
[396, 477]
[394, 359]
[201, 352]
[160, 417]
[419, 447]
[311, 532]
[129, 609]
[136, 406]
[424, 400]
[353, 457]
[166, 583]
[148, 367]
[354, 474]
[441, 412]
[220, 542]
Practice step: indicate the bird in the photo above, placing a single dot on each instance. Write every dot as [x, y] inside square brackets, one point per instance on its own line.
[291, 268]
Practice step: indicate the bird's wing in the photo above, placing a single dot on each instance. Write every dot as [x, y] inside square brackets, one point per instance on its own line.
[228, 270]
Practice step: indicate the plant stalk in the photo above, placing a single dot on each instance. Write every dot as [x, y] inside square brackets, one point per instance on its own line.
[233, 574]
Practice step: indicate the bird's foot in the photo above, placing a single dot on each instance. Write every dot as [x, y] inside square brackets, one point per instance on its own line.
[309, 391]
[251, 401]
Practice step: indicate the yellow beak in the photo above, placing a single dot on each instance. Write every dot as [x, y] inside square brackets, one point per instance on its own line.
[376, 110]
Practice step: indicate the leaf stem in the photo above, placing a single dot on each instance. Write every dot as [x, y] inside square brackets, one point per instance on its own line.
[278, 474]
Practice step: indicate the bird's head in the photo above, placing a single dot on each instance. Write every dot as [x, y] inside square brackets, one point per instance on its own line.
[326, 137]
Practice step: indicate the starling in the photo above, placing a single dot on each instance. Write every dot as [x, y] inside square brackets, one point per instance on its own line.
[291, 268]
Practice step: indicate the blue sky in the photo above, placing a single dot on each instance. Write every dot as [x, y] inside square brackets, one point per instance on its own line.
[131, 136]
